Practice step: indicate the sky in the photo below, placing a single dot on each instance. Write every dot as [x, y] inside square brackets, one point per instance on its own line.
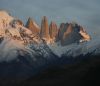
[84, 12]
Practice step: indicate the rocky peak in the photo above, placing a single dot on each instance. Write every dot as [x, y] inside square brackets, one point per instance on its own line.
[84, 34]
[62, 29]
[66, 34]
[5, 19]
[44, 33]
[53, 30]
[31, 25]
[71, 33]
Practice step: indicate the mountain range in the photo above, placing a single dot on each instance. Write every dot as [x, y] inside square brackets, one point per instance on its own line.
[66, 34]
[27, 49]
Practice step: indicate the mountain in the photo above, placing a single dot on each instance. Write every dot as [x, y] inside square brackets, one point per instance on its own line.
[44, 32]
[62, 30]
[14, 29]
[66, 34]
[53, 31]
[31, 25]
[84, 34]
[72, 33]
[28, 50]
[4, 22]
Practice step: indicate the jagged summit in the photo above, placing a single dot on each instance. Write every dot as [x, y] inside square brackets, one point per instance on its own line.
[31, 25]
[53, 31]
[71, 33]
[44, 33]
[23, 54]
[66, 34]
[5, 17]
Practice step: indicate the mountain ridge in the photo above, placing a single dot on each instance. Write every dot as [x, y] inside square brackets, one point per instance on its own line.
[47, 33]
[25, 51]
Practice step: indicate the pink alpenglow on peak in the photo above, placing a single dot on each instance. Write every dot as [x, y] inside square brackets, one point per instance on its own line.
[66, 34]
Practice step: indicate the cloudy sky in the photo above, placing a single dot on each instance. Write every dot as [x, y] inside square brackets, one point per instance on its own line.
[84, 12]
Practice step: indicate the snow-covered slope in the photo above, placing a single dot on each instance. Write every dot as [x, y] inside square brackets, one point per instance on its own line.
[9, 49]
[75, 49]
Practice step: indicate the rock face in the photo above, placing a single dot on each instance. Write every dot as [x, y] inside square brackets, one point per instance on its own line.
[5, 19]
[18, 21]
[44, 33]
[72, 33]
[31, 25]
[62, 30]
[53, 30]
[84, 34]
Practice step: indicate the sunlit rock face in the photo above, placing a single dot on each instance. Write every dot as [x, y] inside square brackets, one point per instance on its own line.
[5, 18]
[31, 25]
[44, 33]
[12, 28]
[84, 34]
[66, 34]
[53, 30]
[6, 25]
[16, 21]
[19, 44]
